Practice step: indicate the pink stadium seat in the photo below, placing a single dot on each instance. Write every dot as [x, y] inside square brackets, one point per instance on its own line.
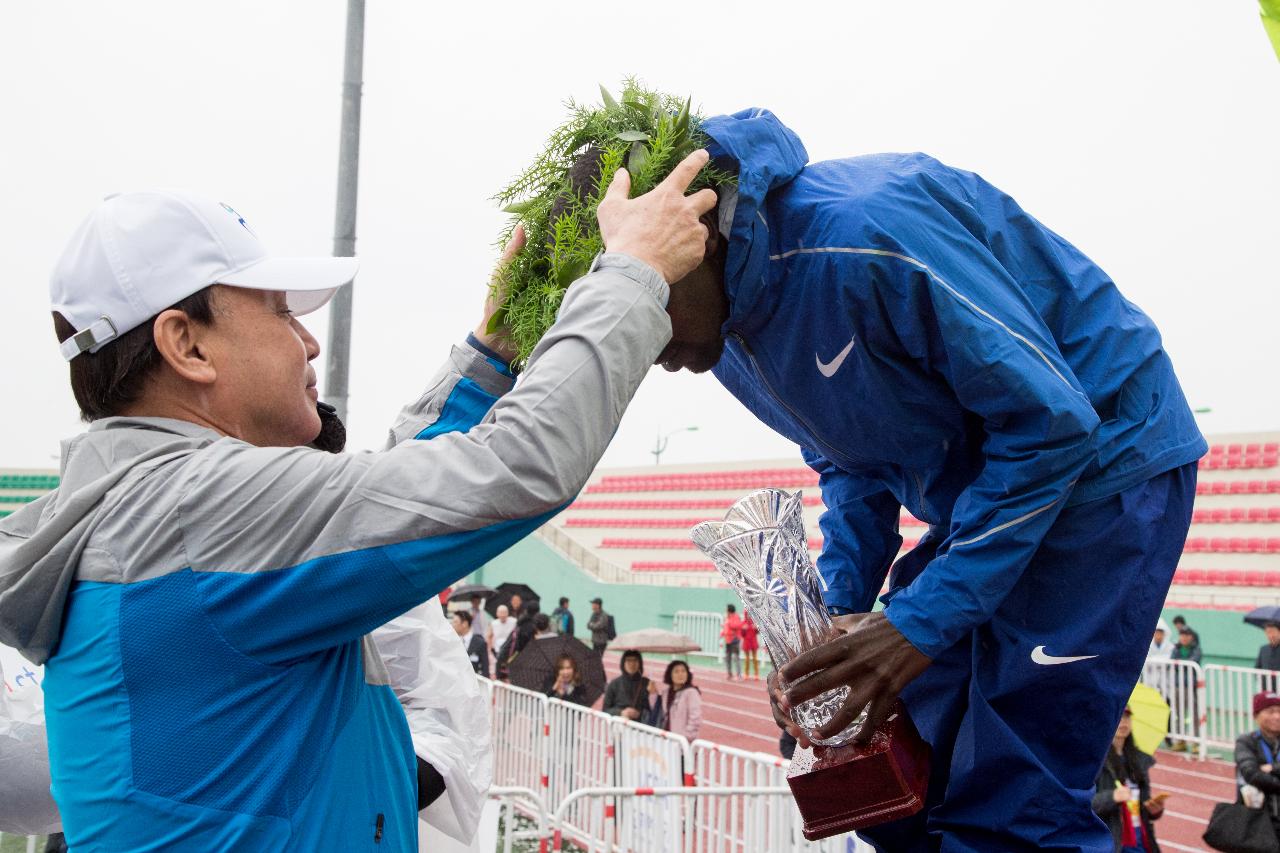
[1257, 514]
[1272, 546]
[1271, 447]
[1219, 488]
[1218, 450]
[1264, 579]
[1196, 545]
[1196, 577]
[1219, 545]
[1238, 487]
[1237, 516]
[1273, 513]
[1235, 449]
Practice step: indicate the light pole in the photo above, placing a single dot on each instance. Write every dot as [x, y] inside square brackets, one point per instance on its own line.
[344, 224]
[660, 444]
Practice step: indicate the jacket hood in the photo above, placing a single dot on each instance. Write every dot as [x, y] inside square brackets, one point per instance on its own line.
[40, 545]
[768, 154]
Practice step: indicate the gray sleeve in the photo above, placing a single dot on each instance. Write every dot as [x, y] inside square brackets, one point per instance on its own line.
[530, 453]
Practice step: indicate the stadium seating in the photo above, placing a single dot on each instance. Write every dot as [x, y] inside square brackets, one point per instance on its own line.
[29, 481]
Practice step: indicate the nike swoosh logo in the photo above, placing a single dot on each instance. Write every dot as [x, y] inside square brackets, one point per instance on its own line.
[1038, 656]
[828, 370]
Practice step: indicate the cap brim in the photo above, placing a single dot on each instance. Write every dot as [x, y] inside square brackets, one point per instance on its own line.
[308, 282]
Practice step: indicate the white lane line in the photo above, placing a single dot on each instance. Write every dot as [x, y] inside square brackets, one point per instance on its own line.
[773, 742]
[1173, 845]
[1164, 768]
[1183, 792]
[1187, 817]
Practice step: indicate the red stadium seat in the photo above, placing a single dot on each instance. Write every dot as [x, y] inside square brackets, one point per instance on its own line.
[1272, 546]
[1196, 545]
[1257, 514]
[1196, 577]
[1219, 545]
[1238, 515]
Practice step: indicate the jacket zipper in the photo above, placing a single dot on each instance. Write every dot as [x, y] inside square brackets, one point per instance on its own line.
[812, 433]
[377, 829]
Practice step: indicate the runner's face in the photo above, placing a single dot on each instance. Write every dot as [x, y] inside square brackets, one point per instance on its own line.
[698, 308]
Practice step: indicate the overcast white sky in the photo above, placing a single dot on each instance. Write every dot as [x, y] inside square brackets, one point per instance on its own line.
[1145, 133]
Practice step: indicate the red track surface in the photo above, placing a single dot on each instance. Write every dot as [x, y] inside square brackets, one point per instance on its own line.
[737, 714]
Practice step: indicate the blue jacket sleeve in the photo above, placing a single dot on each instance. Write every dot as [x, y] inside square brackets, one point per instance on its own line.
[960, 316]
[860, 535]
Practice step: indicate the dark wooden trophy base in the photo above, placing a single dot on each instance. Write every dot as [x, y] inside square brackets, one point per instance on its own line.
[853, 787]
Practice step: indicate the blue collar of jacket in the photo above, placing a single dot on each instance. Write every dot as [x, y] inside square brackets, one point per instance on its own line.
[768, 154]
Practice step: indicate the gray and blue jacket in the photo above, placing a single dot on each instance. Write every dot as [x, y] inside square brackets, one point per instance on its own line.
[202, 604]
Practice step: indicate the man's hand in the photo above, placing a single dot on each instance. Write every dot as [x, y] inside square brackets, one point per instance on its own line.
[660, 227]
[872, 659]
[497, 341]
[1121, 794]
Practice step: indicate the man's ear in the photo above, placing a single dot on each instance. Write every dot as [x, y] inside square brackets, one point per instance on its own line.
[181, 343]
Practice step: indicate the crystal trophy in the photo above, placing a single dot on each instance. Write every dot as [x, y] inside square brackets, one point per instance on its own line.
[761, 549]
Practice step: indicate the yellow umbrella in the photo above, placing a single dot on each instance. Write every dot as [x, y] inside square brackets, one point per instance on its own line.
[1149, 718]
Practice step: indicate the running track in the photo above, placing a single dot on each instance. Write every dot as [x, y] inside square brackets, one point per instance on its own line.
[737, 714]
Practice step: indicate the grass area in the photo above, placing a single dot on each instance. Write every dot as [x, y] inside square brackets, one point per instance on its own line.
[522, 823]
[18, 843]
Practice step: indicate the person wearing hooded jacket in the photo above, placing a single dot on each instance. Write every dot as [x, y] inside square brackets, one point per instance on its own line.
[201, 586]
[931, 346]
[628, 694]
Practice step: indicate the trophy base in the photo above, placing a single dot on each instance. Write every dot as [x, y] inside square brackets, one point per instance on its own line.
[854, 787]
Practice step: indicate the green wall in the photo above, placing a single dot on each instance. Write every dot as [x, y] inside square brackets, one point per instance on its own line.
[1224, 636]
[634, 606]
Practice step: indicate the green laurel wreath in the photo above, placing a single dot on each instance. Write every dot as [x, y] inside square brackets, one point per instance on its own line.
[647, 132]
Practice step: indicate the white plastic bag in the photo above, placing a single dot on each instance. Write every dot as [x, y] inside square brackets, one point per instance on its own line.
[447, 710]
[26, 806]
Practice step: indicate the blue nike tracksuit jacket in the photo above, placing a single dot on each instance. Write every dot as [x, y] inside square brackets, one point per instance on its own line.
[932, 346]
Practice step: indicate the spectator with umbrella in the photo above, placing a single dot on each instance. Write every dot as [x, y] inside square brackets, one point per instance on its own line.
[1256, 755]
[1268, 619]
[537, 667]
[568, 682]
[516, 596]
[1122, 795]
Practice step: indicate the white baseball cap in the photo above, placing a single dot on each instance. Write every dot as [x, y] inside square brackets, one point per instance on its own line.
[139, 253]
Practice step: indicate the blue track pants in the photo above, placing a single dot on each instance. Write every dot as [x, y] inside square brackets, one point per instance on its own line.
[1018, 737]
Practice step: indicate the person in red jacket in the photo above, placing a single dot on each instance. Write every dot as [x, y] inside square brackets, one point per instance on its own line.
[750, 648]
[731, 633]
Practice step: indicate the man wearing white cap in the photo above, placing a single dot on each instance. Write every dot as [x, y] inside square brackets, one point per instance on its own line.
[201, 584]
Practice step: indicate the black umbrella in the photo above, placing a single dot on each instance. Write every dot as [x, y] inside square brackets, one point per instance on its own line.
[502, 595]
[534, 668]
[1260, 616]
[469, 589]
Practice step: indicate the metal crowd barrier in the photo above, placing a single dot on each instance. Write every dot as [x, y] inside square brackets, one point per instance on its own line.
[561, 750]
[703, 629]
[1210, 705]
